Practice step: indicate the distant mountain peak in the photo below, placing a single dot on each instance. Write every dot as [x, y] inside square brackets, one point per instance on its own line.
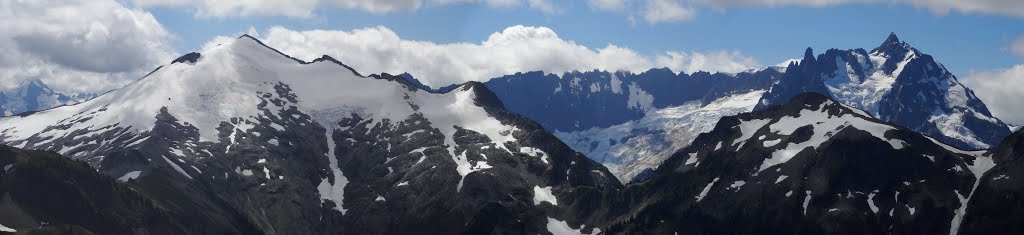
[33, 82]
[893, 46]
[808, 56]
[896, 83]
[892, 38]
[191, 57]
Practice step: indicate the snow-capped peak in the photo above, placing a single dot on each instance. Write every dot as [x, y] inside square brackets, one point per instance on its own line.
[896, 83]
[891, 39]
[226, 84]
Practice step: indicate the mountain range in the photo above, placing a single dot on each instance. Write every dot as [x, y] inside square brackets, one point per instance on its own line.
[243, 139]
[633, 122]
[34, 95]
[895, 83]
[281, 145]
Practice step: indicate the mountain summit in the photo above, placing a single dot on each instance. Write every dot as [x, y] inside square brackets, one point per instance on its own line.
[295, 147]
[897, 83]
[814, 166]
[33, 95]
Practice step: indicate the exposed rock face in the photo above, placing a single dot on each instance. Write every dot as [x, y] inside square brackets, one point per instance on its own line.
[294, 147]
[34, 95]
[580, 101]
[895, 83]
[811, 166]
[48, 193]
[630, 122]
[998, 203]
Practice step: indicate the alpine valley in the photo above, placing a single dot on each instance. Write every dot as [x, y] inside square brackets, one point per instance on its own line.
[243, 139]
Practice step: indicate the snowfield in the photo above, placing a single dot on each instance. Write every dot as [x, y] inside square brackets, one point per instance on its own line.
[224, 86]
[629, 148]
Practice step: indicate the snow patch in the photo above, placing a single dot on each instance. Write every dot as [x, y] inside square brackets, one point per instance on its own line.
[543, 195]
[176, 167]
[807, 200]
[748, 128]
[667, 130]
[11, 230]
[737, 184]
[639, 99]
[333, 192]
[707, 189]
[825, 126]
[464, 167]
[781, 178]
[558, 227]
[871, 203]
[691, 160]
[979, 168]
[535, 152]
[129, 176]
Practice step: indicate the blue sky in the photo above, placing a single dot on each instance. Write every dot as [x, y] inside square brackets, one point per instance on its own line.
[98, 45]
[964, 42]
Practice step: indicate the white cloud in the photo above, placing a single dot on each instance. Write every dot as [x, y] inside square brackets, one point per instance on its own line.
[223, 9]
[306, 8]
[380, 6]
[1002, 91]
[1000, 7]
[83, 46]
[786, 63]
[772, 3]
[658, 11]
[515, 49]
[720, 61]
[608, 5]
[1017, 47]
[663, 11]
[544, 6]
[491, 3]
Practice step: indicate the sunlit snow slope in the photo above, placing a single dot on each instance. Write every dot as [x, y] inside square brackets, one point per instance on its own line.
[266, 128]
[896, 83]
[630, 148]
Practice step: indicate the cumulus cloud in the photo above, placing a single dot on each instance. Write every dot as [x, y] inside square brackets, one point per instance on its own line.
[78, 46]
[306, 8]
[719, 61]
[608, 5]
[222, 9]
[1002, 91]
[1017, 47]
[1000, 7]
[658, 11]
[545, 6]
[661, 11]
[380, 6]
[514, 49]
[805, 3]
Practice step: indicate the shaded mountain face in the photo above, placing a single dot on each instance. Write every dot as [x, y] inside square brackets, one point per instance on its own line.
[634, 147]
[895, 83]
[998, 206]
[579, 101]
[630, 122]
[45, 193]
[34, 95]
[810, 166]
[300, 147]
